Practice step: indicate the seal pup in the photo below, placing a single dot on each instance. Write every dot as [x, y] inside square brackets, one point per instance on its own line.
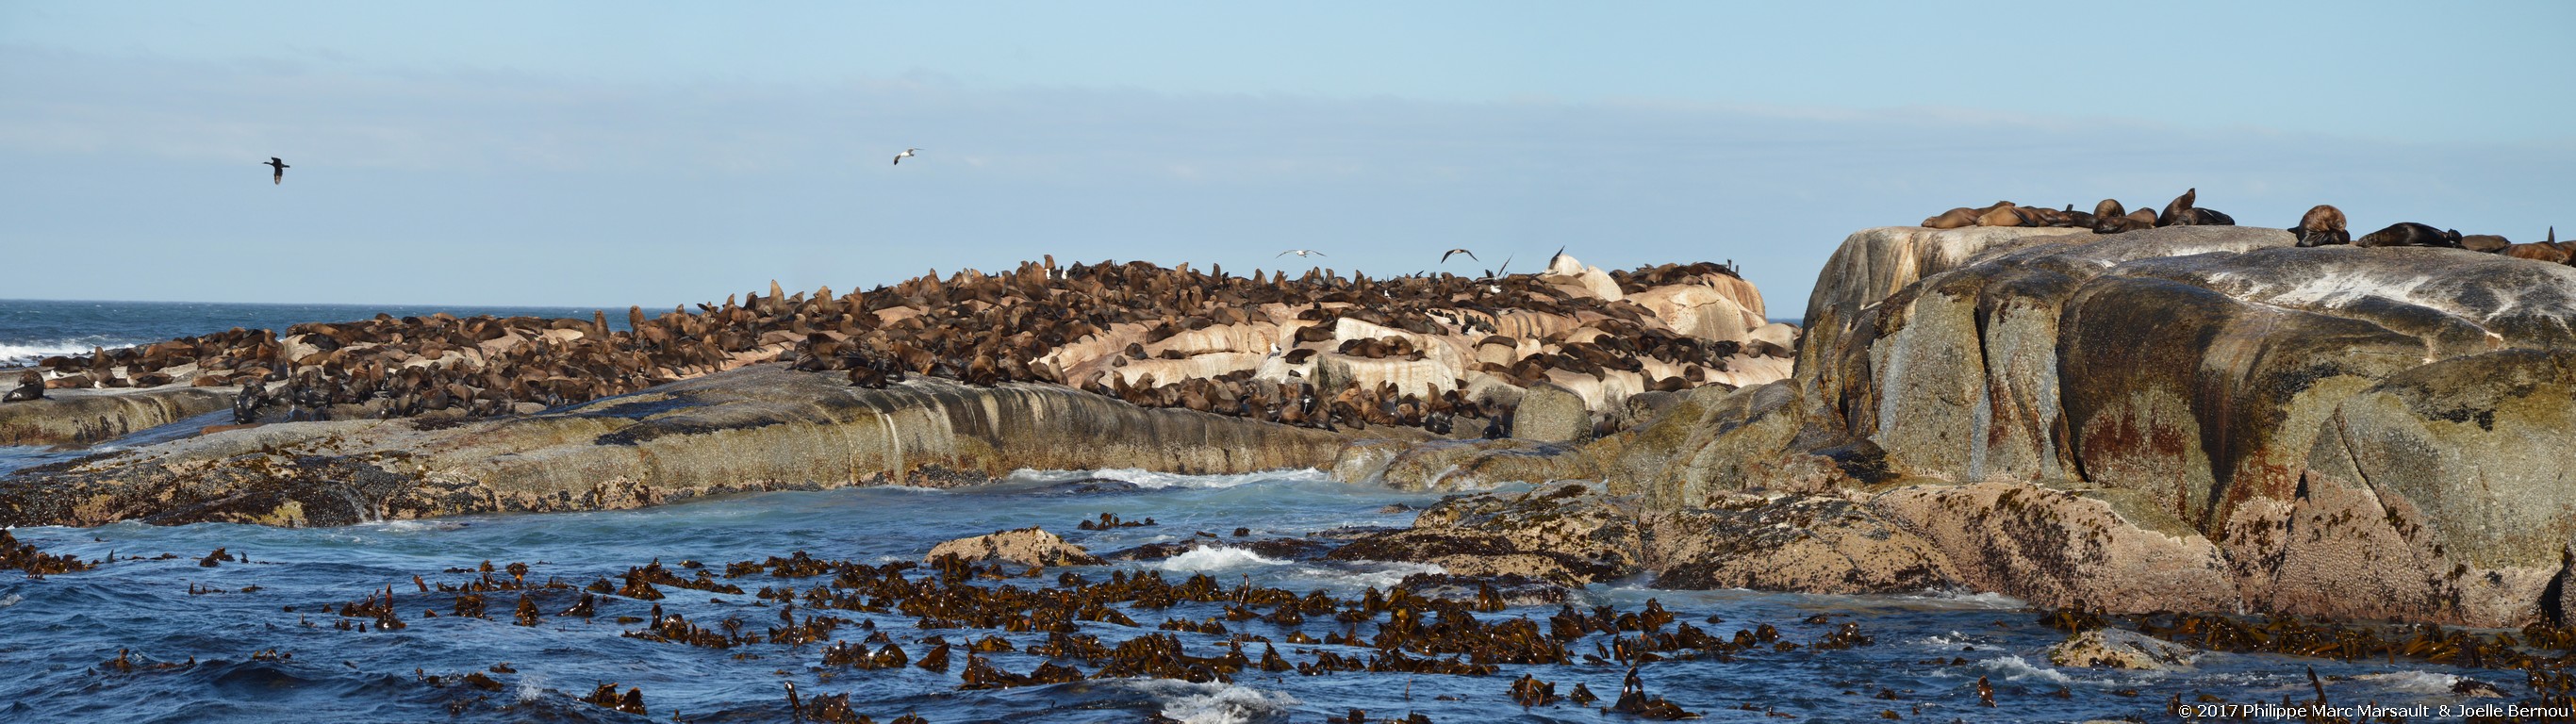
[1444, 256]
[2489, 243]
[31, 386]
[277, 168]
[2408, 233]
[2322, 225]
[907, 153]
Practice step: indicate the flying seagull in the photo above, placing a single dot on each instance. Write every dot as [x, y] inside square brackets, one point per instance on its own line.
[280, 167]
[907, 153]
[1301, 253]
[1444, 256]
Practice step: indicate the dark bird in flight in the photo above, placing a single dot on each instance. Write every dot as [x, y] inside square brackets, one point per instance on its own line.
[907, 153]
[1444, 256]
[1301, 253]
[279, 167]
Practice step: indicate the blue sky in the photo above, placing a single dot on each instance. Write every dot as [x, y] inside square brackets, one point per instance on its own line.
[616, 153]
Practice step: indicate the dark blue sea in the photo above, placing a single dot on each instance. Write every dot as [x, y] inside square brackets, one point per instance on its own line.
[31, 329]
[155, 636]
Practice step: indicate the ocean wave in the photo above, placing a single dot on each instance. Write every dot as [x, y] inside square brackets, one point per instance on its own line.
[27, 352]
[2014, 668]
[1153, 480]
[2415, 681]
[1217, 703]
[1382, 575]
[1208, 560]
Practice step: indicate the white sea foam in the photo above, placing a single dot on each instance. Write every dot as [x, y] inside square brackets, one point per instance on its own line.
[21, 353]
[1379, 575]
[2413, 682]
[1217, 703]
[1971, 600]
[12, 600]
[2014, 668]
[1209, 560]
[1157, 480]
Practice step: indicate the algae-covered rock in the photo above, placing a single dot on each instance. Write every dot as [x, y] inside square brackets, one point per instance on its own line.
[1567, 533]
[1805, 544]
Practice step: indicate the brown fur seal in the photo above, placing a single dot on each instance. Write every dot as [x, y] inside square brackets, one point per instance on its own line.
[2408, 233]
[2184, 211]
[2550, 252]
[2006, 215]
[31, 386]
[1961, 217]
[2323, 225]
[2489, 243]
[2133, 221]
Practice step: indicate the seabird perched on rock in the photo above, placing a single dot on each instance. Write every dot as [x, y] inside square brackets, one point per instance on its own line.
[1302, 253]
[278, 166]
[1444, 256]
[907, 153]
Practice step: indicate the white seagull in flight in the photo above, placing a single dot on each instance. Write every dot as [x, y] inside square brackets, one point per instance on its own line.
[907, 153]
[1301, 253]
[1444, 256]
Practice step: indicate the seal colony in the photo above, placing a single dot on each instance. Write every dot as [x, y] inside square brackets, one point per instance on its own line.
[2322, 225]
[1448, 354]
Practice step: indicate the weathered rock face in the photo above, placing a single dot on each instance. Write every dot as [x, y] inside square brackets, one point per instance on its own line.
[1031, 546]
[2186, 418]
[81, 417]
[759, 428]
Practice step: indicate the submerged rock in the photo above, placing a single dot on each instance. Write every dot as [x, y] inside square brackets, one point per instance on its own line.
[1031, 546]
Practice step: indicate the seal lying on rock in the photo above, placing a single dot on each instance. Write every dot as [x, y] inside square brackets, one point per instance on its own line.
[31, 386]
[2408, 233]
[2182, 211]
[2322, 225]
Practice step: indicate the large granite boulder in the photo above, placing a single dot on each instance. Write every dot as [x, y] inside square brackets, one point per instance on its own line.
[2191, 418]
[1551, 413]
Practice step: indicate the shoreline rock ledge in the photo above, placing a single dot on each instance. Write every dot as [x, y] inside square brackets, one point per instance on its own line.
[2192, 418]
[757, 428]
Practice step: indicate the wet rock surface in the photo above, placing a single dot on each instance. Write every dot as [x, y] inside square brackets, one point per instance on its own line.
[2111, 648]
[1807, 544]
[1566, 533]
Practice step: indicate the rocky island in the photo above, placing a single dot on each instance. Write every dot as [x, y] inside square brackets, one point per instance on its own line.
[2190, 418]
